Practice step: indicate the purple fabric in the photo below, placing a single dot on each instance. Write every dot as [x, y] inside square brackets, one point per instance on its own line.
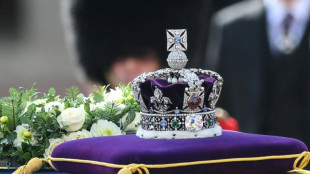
[127, 149]
[173, 91]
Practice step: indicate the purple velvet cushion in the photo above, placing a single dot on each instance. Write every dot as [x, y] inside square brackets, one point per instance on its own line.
[173, 91]
[127, 149]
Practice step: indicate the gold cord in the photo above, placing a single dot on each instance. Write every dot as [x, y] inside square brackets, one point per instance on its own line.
[301, 161]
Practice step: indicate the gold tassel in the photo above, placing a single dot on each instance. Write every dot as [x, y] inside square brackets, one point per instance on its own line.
[133, 168]
[125, 170]
[300, 171]
[33, 165]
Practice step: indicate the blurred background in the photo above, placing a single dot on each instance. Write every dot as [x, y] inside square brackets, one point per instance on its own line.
[33, 46]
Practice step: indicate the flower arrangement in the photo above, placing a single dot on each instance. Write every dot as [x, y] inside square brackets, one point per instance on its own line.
[32, 126]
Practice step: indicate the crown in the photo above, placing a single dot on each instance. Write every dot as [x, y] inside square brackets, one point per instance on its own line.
[178, 103]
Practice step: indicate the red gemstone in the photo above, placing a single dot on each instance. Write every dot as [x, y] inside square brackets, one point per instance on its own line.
[194, 101]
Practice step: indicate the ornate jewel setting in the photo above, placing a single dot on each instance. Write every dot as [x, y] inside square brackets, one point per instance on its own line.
[178, 122]
[193, 100]
[160, 103]
[195, 114]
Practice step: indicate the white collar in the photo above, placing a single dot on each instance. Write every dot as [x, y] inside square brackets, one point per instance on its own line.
[277, 10]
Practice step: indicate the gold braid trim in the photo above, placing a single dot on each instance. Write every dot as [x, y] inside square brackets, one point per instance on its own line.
[301, 161]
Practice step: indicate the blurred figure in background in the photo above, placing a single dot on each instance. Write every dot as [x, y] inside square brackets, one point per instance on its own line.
[261, 48]
[117, 40]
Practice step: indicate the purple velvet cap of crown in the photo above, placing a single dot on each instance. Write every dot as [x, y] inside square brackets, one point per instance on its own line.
[175, 92]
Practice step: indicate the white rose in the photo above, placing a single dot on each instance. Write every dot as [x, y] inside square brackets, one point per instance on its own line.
[134, 125]
[114, 95]
[78, 135]
[104, 128]
[73, 118]
[53, 143]
[20, 129]
[50, 106]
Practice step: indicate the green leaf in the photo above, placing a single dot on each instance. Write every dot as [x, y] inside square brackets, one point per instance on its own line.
[13, 91]
[12, 136]
[87, 108]
[72, 92]
[126, 90]
[97, 97]
[27, 156]
[130, 117]
[52, 91]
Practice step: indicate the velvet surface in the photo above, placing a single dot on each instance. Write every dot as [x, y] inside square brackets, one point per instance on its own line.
[173, 91]
[127, 149]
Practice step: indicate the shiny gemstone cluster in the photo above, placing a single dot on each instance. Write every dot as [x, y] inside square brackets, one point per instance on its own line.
[194, 113]
[172, 122]
[194, 101]
[194, 122]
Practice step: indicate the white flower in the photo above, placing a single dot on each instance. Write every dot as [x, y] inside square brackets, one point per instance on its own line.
[39, 101]
[97, 105]
[53, 143]
[104, 128]
[48, 107]
[121, 107]
[73, 118]
[36, 102]
[114, 95]
[134, 125]
[20, 129]
[78, 135]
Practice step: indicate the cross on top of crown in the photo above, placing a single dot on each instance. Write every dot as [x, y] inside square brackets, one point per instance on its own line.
[177, 40]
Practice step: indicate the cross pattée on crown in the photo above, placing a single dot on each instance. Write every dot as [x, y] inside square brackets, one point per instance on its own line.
[177, 40]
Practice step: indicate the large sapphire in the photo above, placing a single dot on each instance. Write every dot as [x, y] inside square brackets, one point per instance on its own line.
[177, 40]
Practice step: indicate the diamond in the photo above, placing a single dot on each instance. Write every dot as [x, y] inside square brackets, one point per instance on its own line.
[163, 123]
[194, 122]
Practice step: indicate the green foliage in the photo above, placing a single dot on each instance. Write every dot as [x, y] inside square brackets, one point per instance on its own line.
[25, 109]
[126, 90]
[72, 92]
[99, 96]
[130, 117]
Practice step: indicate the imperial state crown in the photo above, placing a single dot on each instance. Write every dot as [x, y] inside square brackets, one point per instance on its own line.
[178, 103]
